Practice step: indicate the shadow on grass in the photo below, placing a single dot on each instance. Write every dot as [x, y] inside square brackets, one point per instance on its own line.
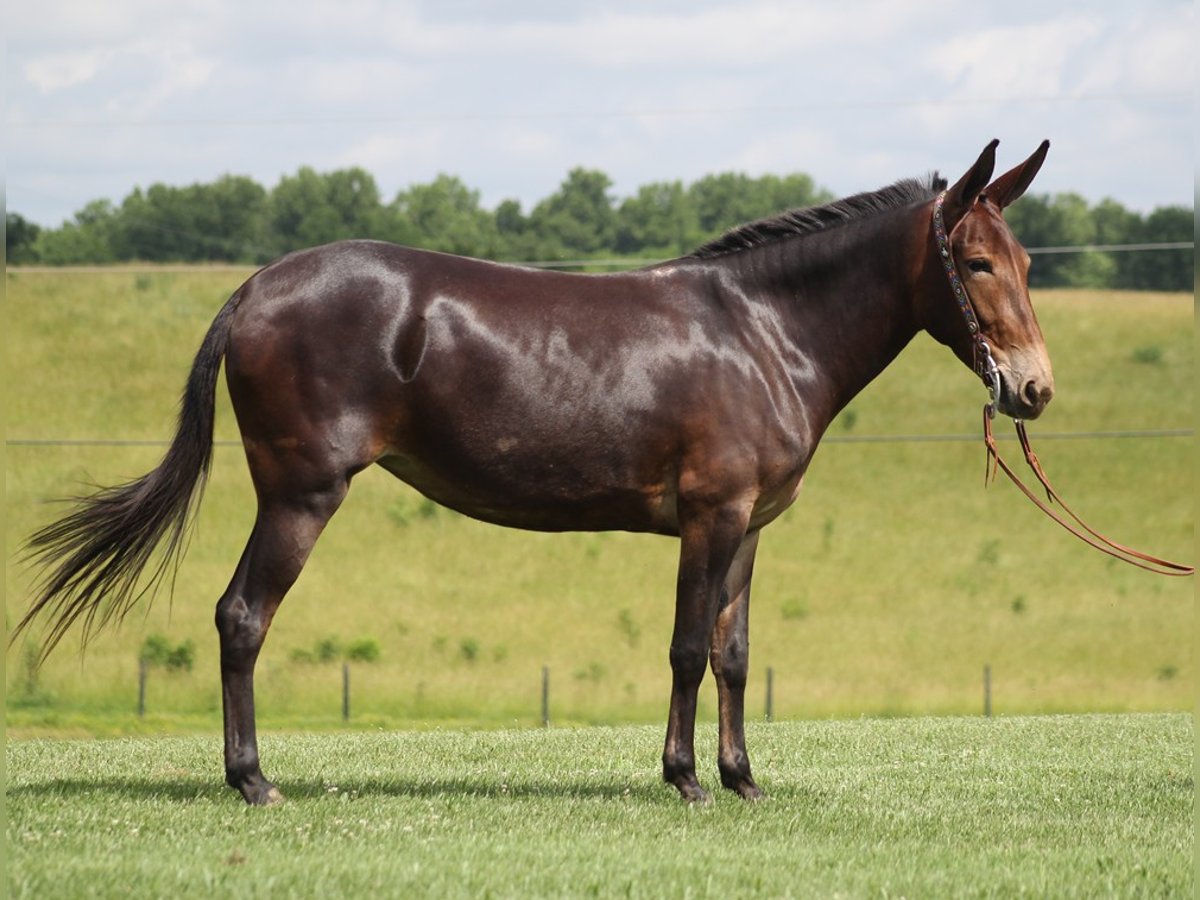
[184, 791]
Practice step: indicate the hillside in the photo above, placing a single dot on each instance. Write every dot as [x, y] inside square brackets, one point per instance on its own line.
[885, 590]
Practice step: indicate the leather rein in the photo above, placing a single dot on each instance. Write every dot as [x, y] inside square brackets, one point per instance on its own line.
[985, 367]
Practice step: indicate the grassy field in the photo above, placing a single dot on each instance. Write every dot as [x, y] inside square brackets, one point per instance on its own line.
[1075, 806]
[884, 591]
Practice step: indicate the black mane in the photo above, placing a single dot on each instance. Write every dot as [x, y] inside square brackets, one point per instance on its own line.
[797, 222]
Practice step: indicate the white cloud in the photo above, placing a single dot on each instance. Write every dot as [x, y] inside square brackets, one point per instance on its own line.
[386, 153]
[1160, 56]
[529, 143]
[149, 72]
[64, 70]
[1012, 61]
[349, 81]
[174, 70]
[730, 34]
[796, 149]
[49, 27]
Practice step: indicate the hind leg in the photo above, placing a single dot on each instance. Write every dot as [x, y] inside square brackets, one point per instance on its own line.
[283, 536]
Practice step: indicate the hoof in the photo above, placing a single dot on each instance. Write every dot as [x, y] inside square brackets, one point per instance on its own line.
[273, 797]
[745, 788]
[262, 794]
[741, 783]
[692, 793]
[750, 792]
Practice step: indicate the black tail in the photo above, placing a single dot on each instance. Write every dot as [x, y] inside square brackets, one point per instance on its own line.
[96, 554]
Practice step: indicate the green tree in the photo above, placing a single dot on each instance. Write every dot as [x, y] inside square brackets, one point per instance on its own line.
[88, 238]
[514, 238]
[727, 199]
[20, 236]
[1165, 270]
[201, 222]
[157, 225]
[234, 218]
[790, 192]
[310, 208]
[657, 221]
[577, 220]
[241, 205]
[153, 225]
[721, 201]
[1061, 221]
[445, 215]
[1115, 225]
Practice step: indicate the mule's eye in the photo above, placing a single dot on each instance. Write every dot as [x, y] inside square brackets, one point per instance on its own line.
[979, 265]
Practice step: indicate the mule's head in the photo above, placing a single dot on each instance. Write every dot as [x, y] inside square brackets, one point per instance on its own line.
[993, 268]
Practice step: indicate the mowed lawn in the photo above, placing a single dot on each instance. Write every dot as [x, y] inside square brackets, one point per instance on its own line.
[1069, 806]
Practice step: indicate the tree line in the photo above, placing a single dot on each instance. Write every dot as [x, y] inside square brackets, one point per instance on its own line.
[235, 219]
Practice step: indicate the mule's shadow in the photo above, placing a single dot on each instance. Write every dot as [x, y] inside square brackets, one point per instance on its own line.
[181, 791]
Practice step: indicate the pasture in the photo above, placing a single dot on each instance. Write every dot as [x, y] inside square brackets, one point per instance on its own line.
[885, 590]
[1071, 806]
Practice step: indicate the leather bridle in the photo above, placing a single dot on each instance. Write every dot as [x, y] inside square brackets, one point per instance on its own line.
[984, 365]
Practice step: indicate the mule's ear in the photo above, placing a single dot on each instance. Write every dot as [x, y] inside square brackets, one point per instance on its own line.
[1012, 184]
[963, 194]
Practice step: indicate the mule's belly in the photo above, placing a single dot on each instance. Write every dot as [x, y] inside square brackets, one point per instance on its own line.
[563, 502]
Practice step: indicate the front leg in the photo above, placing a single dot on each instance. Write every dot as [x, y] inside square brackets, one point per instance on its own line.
[730, 658]
[709, 541]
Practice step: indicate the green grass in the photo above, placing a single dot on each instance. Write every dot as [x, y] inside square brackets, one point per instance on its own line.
[1078, 806]
[885, 590]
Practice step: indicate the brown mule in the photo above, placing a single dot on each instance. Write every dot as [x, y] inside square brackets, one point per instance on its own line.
[686, 398]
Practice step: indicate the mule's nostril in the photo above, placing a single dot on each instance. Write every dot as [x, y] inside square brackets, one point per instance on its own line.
[1037, 395]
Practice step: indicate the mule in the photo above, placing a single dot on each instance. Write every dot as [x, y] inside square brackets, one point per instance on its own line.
[685, 398]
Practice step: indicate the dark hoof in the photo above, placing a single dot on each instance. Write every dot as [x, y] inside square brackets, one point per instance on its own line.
[742, 785]
[750, 791]
[262, 793]
[691, 792]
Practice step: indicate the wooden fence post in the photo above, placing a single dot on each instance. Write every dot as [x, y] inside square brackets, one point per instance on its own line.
[770, 693]
[545, 696]
[345, 692]
[987, 691]
[141, 707]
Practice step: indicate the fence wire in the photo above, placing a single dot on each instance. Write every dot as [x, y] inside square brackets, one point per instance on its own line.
[828, 439]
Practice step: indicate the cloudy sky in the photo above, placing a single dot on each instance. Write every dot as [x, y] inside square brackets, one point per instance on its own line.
[106, 96]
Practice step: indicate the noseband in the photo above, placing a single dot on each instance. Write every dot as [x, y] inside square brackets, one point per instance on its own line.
[984, 365]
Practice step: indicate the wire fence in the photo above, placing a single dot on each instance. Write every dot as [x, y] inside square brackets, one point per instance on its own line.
[828, 439]
[626, 262]
[545, 707]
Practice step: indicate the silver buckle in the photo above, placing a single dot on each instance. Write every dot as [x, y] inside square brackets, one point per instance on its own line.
[990, 374]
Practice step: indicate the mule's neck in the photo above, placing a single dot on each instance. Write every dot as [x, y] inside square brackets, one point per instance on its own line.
[848, 296]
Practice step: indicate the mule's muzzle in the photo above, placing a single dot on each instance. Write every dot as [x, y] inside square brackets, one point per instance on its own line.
[1029, 401]
[1036, 396]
